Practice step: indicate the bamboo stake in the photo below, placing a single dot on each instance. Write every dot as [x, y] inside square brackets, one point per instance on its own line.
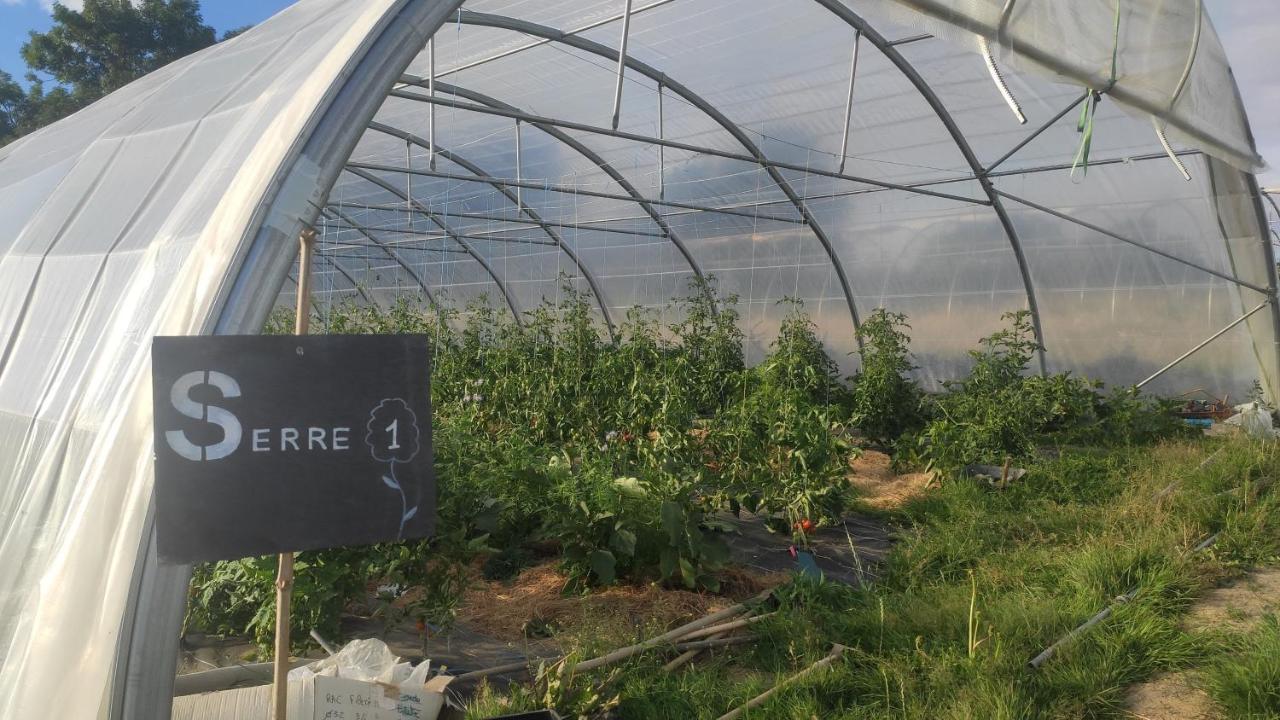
[672, 636]
[836, 651]
[677, 634]
[687, 656]
[725, 628]
[714, 643]
[284, 570]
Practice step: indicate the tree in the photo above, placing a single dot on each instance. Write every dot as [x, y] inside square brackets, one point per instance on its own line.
[111, 43]
[235, 32]
[12, 107]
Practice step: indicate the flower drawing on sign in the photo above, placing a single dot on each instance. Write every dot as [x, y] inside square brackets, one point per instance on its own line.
[392, 437]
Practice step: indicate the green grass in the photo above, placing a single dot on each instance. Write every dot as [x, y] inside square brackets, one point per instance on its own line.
[1043, 555]
[1245, 677]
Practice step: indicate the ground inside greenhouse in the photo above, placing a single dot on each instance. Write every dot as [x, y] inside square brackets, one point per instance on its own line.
[505, 621]
[872, 474]
[1236, 608]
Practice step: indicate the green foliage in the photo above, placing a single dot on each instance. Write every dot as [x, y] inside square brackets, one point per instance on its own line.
[238, 597]
[779, 448]
[1001, 411]
[615, 454]
[109, 43]
[13, 107]
[1245, 680]
[799, 363]
[93, 51]
[979, 583]
[885, 400]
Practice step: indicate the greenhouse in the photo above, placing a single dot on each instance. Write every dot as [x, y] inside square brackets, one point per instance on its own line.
[1087, 162]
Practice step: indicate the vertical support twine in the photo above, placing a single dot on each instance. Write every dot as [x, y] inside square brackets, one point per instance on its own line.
[284, 569]
[848, 105]
[622, 64]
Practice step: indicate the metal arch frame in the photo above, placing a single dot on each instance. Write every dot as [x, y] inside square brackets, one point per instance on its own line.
[355, 285]
[662, 142]
[390, 253]
[591, 155]
[516, 200]
[502, 285]
[300, 174]
[592, 225]
[908, 70]
[466, 17]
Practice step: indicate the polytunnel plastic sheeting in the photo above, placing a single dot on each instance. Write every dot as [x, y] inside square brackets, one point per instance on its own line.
[1169, 62]
[125, 221]
[172, 207]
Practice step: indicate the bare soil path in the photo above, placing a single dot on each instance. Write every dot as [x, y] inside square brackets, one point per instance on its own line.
[1235, 607]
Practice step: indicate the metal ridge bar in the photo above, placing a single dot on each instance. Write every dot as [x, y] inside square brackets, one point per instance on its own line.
[407, 267]
[1206, 341]
[567, 190]
[941, 11]
[674, 144]
[707, 109]
[520, 207]
[909, 39]
[580, 29]
[1103, 231]
[342, 271]
[962, 143]
[440, 235]
[582, 149]
[1038, 131]
[967, 178]
[484, 263]
[581, 225]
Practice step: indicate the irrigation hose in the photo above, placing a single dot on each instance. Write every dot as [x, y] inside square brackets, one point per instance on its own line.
[999, 80]
[1168, 149]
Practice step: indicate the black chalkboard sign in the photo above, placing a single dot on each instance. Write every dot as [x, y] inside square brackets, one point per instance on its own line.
[271, 444]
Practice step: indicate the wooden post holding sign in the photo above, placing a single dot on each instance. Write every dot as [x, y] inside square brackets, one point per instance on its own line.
[284, 567]
[274, 444]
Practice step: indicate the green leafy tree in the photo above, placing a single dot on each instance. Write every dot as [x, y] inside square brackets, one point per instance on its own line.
[12, 107]
[111, 43]
[91, 52]
[235, 32]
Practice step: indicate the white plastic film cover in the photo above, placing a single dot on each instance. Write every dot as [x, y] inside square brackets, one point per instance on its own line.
[1168, 60]
[118, 224]
[132, 218]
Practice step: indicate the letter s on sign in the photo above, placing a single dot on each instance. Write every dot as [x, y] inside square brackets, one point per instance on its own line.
[180, 396]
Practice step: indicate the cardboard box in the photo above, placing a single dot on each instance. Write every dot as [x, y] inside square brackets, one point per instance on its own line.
[317, 698]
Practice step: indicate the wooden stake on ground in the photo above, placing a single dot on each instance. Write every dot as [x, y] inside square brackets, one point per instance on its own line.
[836, 651]
[284, 570]
[688, 656]
[675, 636]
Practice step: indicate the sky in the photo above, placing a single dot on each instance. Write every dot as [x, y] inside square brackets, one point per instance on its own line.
[1250, 30]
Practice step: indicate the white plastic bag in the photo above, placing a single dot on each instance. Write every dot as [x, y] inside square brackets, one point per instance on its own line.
[1254, 419]
[365, 676]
